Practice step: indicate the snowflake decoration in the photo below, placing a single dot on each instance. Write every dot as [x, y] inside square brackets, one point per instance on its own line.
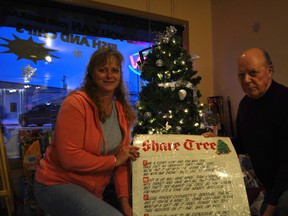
[29, 72]
[77, 53]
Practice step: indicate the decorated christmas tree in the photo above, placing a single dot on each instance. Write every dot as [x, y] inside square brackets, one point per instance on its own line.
[169, 100]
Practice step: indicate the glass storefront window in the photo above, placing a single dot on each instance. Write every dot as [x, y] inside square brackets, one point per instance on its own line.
[42, 68]
[44, 49]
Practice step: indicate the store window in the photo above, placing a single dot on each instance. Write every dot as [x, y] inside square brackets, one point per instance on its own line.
[44, 50]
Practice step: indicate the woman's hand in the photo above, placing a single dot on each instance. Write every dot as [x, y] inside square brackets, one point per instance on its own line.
[125, 153]
[126, 208]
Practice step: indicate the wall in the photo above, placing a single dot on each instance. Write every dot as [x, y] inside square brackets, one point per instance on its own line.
[240, 24]
[196, 12]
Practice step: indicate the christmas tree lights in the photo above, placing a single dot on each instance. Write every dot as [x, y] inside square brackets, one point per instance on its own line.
[169, 100]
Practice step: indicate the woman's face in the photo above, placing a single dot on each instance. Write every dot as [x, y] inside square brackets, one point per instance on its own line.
[107, 77]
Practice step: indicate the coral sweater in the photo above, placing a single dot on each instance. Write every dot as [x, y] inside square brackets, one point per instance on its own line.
[74, 154]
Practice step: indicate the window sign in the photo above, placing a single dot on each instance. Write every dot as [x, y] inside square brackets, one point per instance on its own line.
[56, 59]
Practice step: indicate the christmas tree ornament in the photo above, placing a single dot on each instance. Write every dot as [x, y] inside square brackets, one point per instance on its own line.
[159, 63]
[182, 94]
[178, 129]
[202, 125]
[147, 115]
[137, 104]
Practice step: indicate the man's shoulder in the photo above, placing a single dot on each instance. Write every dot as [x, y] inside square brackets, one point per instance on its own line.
[245, 99]
[279, 85]
[280, 89]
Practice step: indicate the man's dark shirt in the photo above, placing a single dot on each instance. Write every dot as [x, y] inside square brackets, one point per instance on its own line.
[262, 132]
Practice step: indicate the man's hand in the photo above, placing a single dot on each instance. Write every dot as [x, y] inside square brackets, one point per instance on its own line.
[209, 134]
[269, 210]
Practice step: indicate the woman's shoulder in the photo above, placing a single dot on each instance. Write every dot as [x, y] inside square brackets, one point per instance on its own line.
[78, 98]
[78, 95]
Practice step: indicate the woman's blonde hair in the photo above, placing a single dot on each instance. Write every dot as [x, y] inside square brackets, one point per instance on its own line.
[99, 58]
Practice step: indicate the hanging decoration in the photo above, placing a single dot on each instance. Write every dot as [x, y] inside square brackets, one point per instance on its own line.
[29, 72]
[159, 63]
[182, 94]
[77, 53]
[181, 83]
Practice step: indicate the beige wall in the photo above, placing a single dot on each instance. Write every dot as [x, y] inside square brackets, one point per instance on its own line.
[196, 12]
[232, 32]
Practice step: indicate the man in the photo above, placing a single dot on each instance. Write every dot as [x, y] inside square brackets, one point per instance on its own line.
[262, 128]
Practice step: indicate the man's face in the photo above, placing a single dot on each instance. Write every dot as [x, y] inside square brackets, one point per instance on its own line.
[254, 74]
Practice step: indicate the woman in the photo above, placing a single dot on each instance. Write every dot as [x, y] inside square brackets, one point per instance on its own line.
[90, 145]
